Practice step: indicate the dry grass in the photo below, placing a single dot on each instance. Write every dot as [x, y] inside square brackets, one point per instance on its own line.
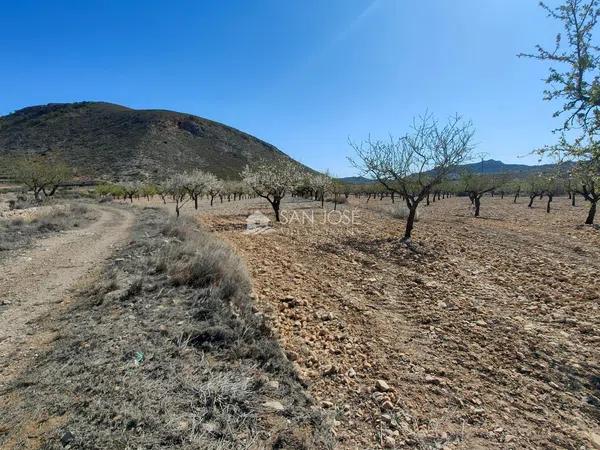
[18, 230]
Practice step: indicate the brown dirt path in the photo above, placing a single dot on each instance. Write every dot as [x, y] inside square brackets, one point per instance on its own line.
[37, 282]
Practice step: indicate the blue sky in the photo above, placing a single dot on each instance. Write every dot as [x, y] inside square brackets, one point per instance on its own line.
[303, 75]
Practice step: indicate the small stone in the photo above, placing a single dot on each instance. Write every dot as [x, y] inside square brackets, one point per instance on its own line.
[351, 372]
[67, 438]
[274, 405]
[382, 386]
[326, 404]
[387, 405]
[481, 323]
[329, 370]
[389, 442]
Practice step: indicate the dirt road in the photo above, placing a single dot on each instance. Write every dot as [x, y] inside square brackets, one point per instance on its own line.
[38, 282]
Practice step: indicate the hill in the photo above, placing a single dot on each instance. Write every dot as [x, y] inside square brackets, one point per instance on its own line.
[489, 166]
[105, 140]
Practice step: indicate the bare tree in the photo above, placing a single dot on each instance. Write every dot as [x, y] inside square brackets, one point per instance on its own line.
[413, 164]
[273, 181]
[477, 185]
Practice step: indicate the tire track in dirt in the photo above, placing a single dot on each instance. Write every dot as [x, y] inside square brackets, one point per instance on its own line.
[39, 281]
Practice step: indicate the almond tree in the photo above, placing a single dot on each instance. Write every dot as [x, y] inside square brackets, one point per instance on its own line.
[273, 181]
[414, 164]
[577, 83]
[130, 189]
[322, 183]
[196, 184]
[214, 187]
[588, 175]
[477, 185]
[176, 186]
[535, 188]
[39, 174]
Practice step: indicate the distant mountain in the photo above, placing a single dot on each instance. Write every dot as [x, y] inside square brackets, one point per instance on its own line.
[356, 180]
[490, 166]
[105, 140]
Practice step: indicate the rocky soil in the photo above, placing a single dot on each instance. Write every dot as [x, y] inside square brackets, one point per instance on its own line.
[485, 335]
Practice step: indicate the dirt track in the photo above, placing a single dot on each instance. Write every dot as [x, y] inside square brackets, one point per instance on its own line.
[39, 281]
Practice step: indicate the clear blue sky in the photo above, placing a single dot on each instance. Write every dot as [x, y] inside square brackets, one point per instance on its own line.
[301, 74]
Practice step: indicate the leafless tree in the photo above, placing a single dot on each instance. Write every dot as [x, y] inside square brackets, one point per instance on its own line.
[418, 161]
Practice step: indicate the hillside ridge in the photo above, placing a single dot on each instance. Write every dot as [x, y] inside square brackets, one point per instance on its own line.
[106, 140]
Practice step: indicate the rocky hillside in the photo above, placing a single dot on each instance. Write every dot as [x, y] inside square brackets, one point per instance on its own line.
[105, 140]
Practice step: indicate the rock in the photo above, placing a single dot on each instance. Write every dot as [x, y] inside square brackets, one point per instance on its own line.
[481, 323]
[351, 372]
[66, 438]
[382, 386]
[595, 438]
[274, 405]
[326, 404]
[329, 370]
[432, 380]
[387, 405]
[274, 384]
[389, 442]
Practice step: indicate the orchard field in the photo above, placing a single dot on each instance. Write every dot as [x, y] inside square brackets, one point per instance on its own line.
[485, 334]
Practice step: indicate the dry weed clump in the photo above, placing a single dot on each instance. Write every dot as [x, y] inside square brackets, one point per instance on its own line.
[197, 259]
[165, 351]
[21, 226]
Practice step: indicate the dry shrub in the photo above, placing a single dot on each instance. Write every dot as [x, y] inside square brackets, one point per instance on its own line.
[197, 259]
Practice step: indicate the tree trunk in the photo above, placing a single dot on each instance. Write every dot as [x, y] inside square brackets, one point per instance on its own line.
[323, 200]
[573, 199]
[410, 222]
[427, 199]
[477, 204]
[592, 213]
[195, 202]
[548, 205]
[531, 199]
[275, 204]
[517, 195]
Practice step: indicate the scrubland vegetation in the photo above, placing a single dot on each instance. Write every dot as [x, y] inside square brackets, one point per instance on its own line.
[18, 230]
[194, 366]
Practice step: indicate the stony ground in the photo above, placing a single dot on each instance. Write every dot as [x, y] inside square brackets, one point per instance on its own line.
[486, 337]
